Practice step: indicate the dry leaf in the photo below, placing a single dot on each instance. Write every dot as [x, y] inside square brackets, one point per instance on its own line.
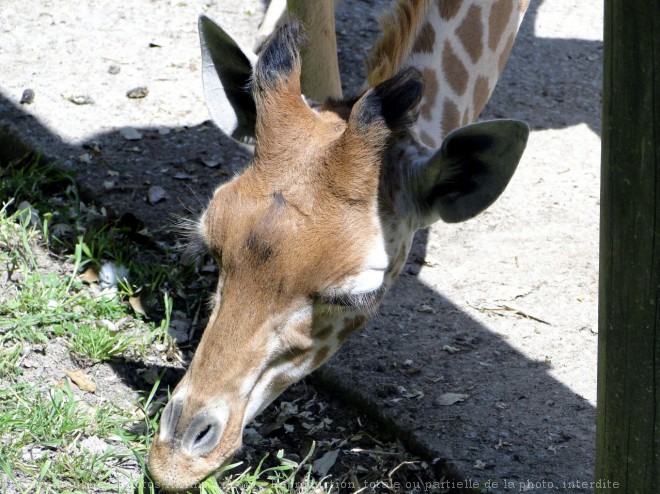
[251, 437]
[323, 465]
[136, 303]
[415, 393]
[451, 398]
[81, 380]
[109, 325]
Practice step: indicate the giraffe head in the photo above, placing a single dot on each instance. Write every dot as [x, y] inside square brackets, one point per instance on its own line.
[309, 237]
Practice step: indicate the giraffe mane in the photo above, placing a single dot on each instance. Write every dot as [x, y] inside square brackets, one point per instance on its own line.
[401, 28]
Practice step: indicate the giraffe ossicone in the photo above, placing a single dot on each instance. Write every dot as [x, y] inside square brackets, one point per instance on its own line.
[312, 234]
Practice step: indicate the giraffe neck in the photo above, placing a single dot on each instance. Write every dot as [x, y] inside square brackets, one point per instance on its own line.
[459, 46]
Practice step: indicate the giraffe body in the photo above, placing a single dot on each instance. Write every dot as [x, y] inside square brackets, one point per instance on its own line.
[318, 226]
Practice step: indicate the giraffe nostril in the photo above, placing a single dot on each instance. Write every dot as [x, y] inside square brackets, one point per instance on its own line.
[200, 436]
[203, 435]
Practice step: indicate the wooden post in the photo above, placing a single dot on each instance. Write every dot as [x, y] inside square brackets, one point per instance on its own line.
[628, 420]
[320, 67]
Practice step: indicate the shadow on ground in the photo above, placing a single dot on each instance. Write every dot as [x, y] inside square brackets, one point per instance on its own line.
[496, 433]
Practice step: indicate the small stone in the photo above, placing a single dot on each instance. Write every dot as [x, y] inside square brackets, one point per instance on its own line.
[94, 445]
[39, 348]
[150, 375]
[210, 163]
[32, 453]
[85, 158]
[155, 194]
[426, 309]
[28, 97]
[159, 42]
[30, 364]
[80, 99]
[114, 69]
[137, 92]
[130, 134]
[179, 329]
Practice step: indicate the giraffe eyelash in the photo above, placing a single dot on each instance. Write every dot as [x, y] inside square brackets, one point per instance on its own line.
[360, 301]
[194, 243]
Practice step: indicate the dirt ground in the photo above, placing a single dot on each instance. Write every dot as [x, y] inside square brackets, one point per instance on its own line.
[501, 308]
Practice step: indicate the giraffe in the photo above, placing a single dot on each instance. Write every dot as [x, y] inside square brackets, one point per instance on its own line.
[315, 230]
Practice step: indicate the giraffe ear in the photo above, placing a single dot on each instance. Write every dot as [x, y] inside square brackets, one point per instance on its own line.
[394, 102]
[226, 72]
[469, 171]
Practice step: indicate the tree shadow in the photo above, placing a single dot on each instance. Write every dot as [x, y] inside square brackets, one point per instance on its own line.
[550, 84]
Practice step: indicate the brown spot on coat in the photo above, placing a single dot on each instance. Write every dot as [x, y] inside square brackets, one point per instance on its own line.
[428, 141]
[500, 14]
[451, 117]
[295, 356]
[282, 381]
[430, 93]
[321, 356]
[471, 33]
[425, 39]
[481, 95]
[504, 56]
[454, 70]
[351, 324]
[324, 333]
[449, 8]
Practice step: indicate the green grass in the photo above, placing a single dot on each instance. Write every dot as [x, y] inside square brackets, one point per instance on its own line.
[45, 428]
[44, 305]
